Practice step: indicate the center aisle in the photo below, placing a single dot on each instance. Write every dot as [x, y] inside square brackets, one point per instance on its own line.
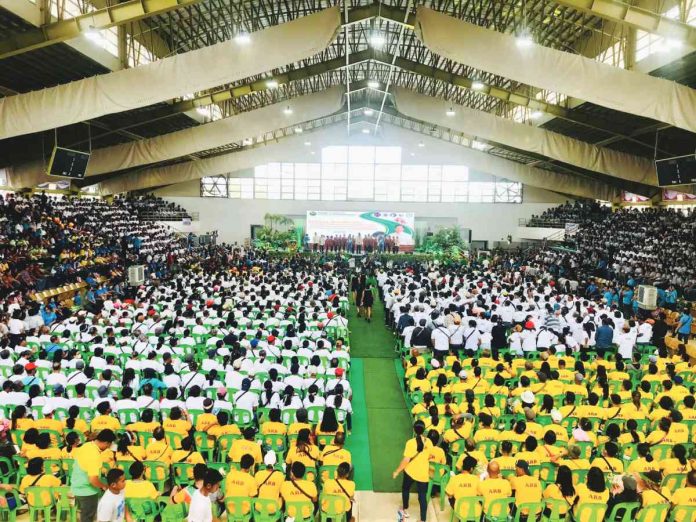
[388, 419]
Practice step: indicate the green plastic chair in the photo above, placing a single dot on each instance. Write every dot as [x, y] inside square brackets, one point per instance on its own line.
[623, 512]
[38, 504]
[661, 451]
[590, 511]
[7, 470]
[674, 481]
[143, 509]
[297, 508]
[657, 513]
[64, 506]
[223, 445]
[489, 448]
[327, 472]
[682, 513]
[157, 473]
[467, 509]
[180, 473]
[235, 509]
[174, 513]
[585, 449]
[499, 509]
[242, 418]
[579, 476]
[553, 508]
[174, 439]
[534, 510]
[204, 445]
[7, 514]
[440, 478]
[266, 510]
[333, 507]
[325, 440]
[128, 416]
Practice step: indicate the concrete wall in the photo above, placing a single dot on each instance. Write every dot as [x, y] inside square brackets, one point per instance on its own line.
[233, 218]
[539, 233]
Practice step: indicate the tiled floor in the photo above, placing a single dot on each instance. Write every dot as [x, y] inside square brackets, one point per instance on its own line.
[382, 507]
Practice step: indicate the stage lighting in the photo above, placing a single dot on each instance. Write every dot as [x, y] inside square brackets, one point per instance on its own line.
[287, 110]
[366, 131]
[450, 112]
[368, 112]
[373, 84]
[477, 85]
[298, 130]
[272, 84]
[536, 115]
[377, 40]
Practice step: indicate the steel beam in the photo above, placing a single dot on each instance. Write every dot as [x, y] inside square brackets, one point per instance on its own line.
[635, 17]
[104, 18]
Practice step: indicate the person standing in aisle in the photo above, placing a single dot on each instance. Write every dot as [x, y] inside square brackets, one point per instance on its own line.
[415, 466]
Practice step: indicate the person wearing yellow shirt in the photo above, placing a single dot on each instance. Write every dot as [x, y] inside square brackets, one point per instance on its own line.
[688, 411]
[137, 486]
[592, 409]
[534, 429]
[578, 386]
[644, 462]
[126, 450]
[677, 463]
[607, 461]
[556, 427]
[335, 454]
[298, 489]
[528, 452]
[74, 422]
[329, 424]
[177, 422]
[506, 462]
[273, 430]
[301, 422]
[158, 449]
[206, 419]
[146, 424]
[241, 483]
[437, 454]
[594, 491]
[104, 421]
[661, 434]
[85, 483]
[223, 427]
[415, 466]
[651, 493]
[269, 480]
[342, 487]
[517, 434]
[419, 381]
[527, 487]
[631, 434]
[569, 407]
[472, 451]
[433, 421]
[464, 484]
[36, 477]
[46, 451]
[573, 460]
[304, 451]
[49, 423]
[492, 488]
[561, 489]
[187, 454]
[246, 445]
[485, 430]
[686, 496]
[548, 450]
[678, 431]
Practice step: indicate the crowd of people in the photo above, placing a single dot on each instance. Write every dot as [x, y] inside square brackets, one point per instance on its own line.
[353, 244]
[225, 391]
[576, 212]
[644, 245]
[528, 400]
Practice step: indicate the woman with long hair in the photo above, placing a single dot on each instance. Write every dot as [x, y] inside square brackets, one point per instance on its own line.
[562, 489]
[594, 491]
[329, 423]
[415, 466]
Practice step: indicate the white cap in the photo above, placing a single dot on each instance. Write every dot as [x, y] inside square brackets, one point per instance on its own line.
[270, 458]
[47, 409]
[556, 415]
[527, 397]
[434, 363]
[463, 374]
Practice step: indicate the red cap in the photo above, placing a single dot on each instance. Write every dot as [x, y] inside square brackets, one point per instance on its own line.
[271, 338]
[339, 372]
[30, 366]
[529, 325]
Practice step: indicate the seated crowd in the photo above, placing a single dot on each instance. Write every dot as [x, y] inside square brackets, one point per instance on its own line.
[529, 401]
[577, 212]
[211, 390]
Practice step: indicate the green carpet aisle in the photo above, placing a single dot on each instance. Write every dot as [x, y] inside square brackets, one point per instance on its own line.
[358, 442]
[389, 424]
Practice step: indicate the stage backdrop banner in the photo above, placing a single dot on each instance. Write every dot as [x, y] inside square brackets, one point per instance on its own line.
[398, 225]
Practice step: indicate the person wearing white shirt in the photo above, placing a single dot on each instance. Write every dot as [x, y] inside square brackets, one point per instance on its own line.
[515, 341]
[471, 337]
[626, 343]
[201, 507]
[440, 339]
[645, 331]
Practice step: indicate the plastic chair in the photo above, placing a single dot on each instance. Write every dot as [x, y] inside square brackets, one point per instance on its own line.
[174, 439]
[235, 509]
[242, 418]
[314, 414]
[182, 473]
[288, 416]
[7, 514]
[174, 513]
[128, 416]
[143, 509]
[682, 513]
[325, 440]
[467, 509]
[585, 449]
[63, 505]
[333, 507]
[553, 508]
[590, 511]
[623, 512]
[440, 477]
[7, 470]
[297, 510]
[579, 476]
[157, 473]
[327, 472]
[674, 481]
[657, 513]
[499, 509]
[661, 451]
[39, 500]
[489, 448]
[204, 445]
[266, 510]
[223, 444]
[532, 510]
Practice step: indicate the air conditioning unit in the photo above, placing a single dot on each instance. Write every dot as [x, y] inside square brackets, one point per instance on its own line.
[136, 275]
[647, 297]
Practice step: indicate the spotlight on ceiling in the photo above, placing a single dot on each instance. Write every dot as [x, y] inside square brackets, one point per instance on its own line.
[373, 84]
[272, 84]
[535, 115]
[524, 40]
[377, 39]
[93, 35]
[298, 130]
[242, 38]
[287, 110]
[450, 112]
[368, 112]
[366, 131]
[477, 85]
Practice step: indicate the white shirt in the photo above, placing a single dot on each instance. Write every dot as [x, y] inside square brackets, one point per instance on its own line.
[201, 509]
[440, 338]
[112, 508]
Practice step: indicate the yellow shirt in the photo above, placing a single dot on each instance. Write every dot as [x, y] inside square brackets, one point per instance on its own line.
[335, 455]
[273, 428]
[133, 453]
[229, 429]
[650, 497]
[159, 450]
[418, 466]
[672, 465]
[205, 421]
[464, 485]
[241, 447]
[104, 422]
[46, 481]
[592, 497]
[141, 489]
[553, 492]
[187, 456]
[309, 458]
[240, 484]
[291, 493]
[147, 427]
[332, 487]
[80, 425]
[608, 464]
[88, 458]
[270, 487]
[179, 426]
[491, 489]
[527, 489]
[684, 497]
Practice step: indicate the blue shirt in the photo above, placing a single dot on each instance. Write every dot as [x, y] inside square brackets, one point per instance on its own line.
[604, 336]
[627, 296]
[671, 296]
[685, 320]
